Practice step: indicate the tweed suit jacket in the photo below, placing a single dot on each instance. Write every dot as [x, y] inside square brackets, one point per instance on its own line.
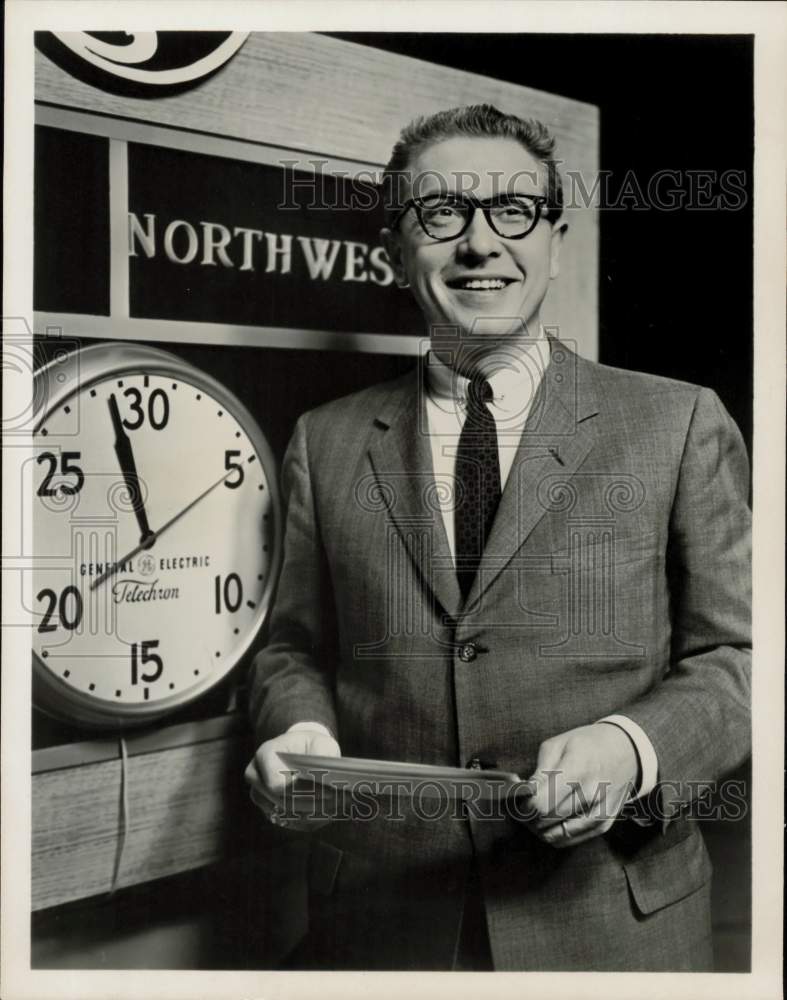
[615, 580]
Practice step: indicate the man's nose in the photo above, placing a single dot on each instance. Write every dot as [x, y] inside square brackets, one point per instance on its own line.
[479, 239]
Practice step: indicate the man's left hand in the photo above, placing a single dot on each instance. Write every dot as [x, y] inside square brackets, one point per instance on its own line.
[583, 778]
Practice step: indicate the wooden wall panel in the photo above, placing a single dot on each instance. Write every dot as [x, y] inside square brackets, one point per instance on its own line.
[308, 92]
[182, 801]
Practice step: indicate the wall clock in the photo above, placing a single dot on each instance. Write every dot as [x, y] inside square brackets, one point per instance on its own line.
[156, 531]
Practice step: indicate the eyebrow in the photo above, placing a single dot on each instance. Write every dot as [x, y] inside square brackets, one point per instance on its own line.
[462, 195]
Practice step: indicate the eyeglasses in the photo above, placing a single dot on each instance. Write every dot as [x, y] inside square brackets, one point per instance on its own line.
[447, 216]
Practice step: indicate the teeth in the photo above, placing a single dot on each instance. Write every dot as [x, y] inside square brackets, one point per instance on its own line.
[484, 283]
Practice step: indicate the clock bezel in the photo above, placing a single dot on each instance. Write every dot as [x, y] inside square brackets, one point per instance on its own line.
[54, 384]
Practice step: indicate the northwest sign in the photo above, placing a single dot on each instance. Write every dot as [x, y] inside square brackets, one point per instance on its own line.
[212, 239]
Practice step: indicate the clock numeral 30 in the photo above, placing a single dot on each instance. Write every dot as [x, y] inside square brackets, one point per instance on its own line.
[140, 656]
[158, 409]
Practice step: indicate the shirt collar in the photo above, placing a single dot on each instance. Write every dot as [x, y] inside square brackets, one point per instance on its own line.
[513, 385]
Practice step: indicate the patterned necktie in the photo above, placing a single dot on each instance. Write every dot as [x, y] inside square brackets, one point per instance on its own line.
[477, 482]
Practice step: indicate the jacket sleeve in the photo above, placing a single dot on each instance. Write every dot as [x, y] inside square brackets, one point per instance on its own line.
[699, 717]
[292, 676]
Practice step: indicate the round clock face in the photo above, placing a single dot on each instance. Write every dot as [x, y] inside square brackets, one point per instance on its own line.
[156, 524]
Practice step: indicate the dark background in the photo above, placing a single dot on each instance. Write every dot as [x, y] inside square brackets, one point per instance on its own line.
[675, 287]
[675, 299]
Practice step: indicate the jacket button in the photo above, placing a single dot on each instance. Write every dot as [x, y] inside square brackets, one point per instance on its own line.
[467, 652]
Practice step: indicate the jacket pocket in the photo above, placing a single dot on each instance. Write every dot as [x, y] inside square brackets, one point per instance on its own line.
[593, 550]
[667, 876]
[324, 863]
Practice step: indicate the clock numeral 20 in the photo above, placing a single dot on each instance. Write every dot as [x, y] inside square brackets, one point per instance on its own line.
[158, 416]
[66, 468]
[230, 595]
[140, 656]
[70, 617]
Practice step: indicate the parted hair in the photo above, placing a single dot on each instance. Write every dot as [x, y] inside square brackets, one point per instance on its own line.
[475, 120]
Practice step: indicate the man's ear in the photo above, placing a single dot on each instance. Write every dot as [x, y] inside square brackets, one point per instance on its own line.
[558, 232]
[393, 249]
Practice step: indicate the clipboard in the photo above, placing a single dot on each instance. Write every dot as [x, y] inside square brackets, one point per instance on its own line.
[349, 774]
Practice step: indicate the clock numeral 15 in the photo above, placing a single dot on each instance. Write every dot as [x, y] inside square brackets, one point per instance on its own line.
[140, 656]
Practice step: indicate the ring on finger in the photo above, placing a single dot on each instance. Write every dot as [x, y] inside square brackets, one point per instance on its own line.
[564, 828]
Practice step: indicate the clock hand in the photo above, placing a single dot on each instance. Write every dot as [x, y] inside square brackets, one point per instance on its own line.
[156, 534]
[128, 467]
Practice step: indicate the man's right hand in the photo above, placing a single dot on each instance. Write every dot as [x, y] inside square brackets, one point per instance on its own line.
[270, 782]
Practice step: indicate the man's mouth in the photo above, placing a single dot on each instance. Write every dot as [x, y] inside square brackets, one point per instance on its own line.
[480, 284]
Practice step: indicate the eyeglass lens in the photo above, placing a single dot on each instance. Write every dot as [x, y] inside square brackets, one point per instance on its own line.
[444, 217]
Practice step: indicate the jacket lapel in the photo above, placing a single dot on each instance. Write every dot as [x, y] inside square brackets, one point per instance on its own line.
[402, 463]
[558, 436]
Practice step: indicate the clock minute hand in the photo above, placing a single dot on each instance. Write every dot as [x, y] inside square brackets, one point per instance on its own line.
[156, 534]
[125, 456]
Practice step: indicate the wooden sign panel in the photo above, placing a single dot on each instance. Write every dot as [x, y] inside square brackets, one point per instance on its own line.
[283, 95]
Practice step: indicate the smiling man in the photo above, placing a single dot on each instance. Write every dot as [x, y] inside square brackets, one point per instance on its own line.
[511, 558]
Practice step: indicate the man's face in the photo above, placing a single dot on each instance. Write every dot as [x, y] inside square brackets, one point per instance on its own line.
[441, 274]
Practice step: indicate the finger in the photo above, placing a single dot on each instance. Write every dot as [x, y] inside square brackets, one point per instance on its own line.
[322, 745]
[564, 843]
[274, 773]
[568, 798]
[254, 779]
[310, 800]
[573, 831]
[252, 775]
[546, 777]
[283, 816]
[555, 796]
[549, 754]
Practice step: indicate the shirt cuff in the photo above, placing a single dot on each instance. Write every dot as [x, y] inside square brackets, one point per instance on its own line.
[314, 727]
[648, 762]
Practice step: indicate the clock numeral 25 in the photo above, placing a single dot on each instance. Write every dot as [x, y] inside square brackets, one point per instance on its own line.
[66, 467]
[140, 656]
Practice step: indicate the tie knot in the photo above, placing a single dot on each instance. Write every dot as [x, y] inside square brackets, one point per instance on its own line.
[479, 391]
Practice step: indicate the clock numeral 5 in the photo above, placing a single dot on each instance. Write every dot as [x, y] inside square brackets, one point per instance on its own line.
[140, 656]
[158, 416]
[231, 594]
[233, 484]
[66, 468]
[70, 617]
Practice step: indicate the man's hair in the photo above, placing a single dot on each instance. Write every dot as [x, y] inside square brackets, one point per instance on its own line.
[475, 120]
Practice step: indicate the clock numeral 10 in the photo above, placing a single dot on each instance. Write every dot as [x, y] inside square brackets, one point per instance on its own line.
[69, 607]
[230, 596]
[140, 656]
